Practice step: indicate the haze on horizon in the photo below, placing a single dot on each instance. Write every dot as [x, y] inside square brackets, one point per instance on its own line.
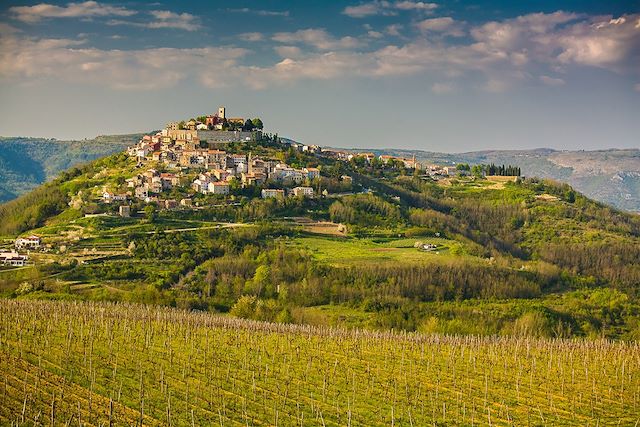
[440, 76]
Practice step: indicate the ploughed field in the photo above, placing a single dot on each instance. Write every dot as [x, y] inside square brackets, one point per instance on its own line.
[99, 364]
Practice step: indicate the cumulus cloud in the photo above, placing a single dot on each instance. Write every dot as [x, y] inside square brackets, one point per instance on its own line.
[393, 29]
[288, 51]
[167, 19]
[614, 42]
[318, 38]
[501, 53]
[164, 19]
[445, 25]
[86, 9]
[366, 9]
[411, 5]
[144, 69]
[386, 8]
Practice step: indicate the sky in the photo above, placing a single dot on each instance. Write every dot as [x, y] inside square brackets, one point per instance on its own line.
[448, 76]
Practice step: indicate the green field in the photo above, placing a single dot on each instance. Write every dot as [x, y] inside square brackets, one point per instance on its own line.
[101, 364]
[350, 251]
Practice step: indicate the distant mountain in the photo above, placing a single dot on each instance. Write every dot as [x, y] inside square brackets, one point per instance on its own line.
[609, 176]
[26, 163]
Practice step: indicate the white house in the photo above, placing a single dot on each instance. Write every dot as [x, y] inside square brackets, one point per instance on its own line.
[31, 242]
[303, 191]
[13, 259]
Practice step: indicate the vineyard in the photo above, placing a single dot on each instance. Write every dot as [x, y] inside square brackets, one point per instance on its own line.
[116, 364]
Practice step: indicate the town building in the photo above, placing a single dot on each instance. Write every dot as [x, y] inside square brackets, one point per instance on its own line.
[30, 242]
[302, 191]
[13, 259]
[272, 193]
[218, 188]
[124, 211]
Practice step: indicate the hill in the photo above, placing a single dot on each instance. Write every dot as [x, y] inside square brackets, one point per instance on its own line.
[25, 163]
[609, 176]
[106, 364]
[371, 245]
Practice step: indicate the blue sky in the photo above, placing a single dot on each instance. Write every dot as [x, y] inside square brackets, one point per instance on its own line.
[442, 76]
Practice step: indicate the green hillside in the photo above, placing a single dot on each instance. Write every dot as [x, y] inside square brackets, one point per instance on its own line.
[103, 364]
[26, 163]
[609, 176]
[503, 256]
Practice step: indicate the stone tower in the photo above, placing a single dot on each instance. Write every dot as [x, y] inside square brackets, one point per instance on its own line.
[221, 112]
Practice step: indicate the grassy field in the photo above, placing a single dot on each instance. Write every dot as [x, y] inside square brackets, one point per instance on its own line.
[349, 251]
[101, 364]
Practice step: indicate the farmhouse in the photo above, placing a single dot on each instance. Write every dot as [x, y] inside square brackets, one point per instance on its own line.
[13, 259]
[109, 197]
[31, 242]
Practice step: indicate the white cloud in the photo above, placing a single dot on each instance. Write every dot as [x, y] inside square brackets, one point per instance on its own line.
[167, 19]
[146, 69]
[386, 8]
[564, 38]
[164, 19]
[71, 10]
[503, 54]
[551, 81]
[411, 5]
[612, 43]
[393, 29]
[445, 25]
[366, 9]
[284, 13]
[323, 66]
[288, 51]
[318, 38]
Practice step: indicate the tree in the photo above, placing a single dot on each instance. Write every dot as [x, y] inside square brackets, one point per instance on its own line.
[150, 213]
[477, 170]
[248, 126]
[257, 123]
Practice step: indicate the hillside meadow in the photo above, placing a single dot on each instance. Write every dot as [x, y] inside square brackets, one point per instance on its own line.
[79, 363]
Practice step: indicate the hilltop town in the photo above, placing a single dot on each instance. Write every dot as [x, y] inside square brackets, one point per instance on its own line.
[205, 156]
[215, 160]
